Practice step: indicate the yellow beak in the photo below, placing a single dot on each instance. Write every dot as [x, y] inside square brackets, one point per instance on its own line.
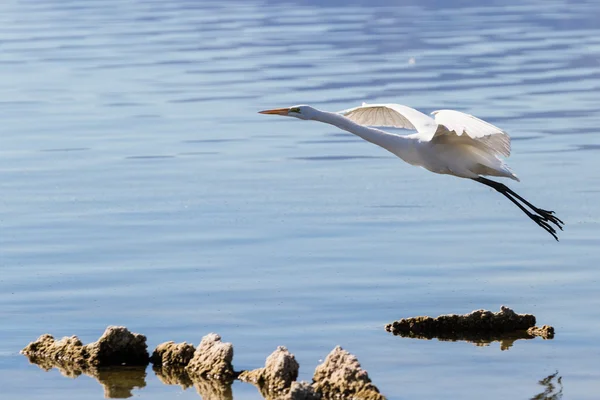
[276, 111]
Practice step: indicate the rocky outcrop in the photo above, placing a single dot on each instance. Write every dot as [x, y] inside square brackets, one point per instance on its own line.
[476, 322]
[340, 376]
[212, 359]
[171, 354]
[280, 370]
[116, 346]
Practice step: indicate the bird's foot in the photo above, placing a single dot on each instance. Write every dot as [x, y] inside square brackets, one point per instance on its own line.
[543, 222]
[550, 217]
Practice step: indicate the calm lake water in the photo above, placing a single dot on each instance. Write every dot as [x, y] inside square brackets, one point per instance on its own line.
[139, 187]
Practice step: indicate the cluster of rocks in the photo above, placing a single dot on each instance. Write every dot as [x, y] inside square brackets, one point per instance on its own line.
[209, 367]
[480, 326]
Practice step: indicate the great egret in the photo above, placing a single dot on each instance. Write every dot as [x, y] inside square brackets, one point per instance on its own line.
[453, 143]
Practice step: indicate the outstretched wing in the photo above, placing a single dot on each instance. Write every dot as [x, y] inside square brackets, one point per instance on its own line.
[452, 122]
[393, 115]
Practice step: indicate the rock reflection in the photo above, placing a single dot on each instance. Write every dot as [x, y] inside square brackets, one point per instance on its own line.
[212, 389]
[173, 376]
[553, 388]
[506, 340]
[118, 382]
[208, 389]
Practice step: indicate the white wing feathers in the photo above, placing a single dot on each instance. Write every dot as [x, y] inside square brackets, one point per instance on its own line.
[447, 122]
[460, 123]
[393, 115]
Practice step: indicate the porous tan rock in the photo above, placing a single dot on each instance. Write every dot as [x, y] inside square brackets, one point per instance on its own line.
[116, 346]
[212, 359]
[453, 325]
[48, 351]
[280, 370]
[172, 354]
[545, 332]
[340, 376]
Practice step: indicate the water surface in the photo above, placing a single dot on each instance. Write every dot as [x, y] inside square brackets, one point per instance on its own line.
[141, 188]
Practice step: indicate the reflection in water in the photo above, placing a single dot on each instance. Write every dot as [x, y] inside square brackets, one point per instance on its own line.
[118, 382]
[481, 339]
[208, 389]
[212, 389]
[553, 388]
[173, 376]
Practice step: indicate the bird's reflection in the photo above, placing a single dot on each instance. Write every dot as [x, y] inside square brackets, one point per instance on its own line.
[553, 388]
[506, 340]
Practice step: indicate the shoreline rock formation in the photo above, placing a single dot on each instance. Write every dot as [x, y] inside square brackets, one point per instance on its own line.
[122, 356]
[276, 377]
[479, 326]
[116, 346]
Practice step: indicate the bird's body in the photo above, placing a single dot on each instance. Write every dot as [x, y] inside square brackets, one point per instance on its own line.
[452, 143]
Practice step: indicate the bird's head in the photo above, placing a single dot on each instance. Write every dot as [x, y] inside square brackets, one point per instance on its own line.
[301, 112]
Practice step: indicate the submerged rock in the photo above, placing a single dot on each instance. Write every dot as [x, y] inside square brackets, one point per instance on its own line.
[341, 376]
[212, 359]
[281, 369]
[477, 322]
[546, 331]
[116, 346]
[172, 354]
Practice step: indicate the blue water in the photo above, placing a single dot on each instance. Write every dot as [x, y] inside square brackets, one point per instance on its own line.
[139, 187]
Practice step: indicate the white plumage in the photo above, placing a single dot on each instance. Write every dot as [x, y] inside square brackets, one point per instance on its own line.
[452, 143]
[446, 122]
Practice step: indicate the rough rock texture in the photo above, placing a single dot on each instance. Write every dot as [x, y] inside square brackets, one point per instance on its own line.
[546, 331]
[341, 377]
[212, 359]
[477, 322]
[301, 391]
[47, 352]
[172, 354]
[281, 369]
[116, 346]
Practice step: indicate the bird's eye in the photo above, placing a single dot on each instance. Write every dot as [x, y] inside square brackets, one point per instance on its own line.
[295, 109]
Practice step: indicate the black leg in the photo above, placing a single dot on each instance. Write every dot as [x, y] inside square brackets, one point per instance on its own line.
[541, 217]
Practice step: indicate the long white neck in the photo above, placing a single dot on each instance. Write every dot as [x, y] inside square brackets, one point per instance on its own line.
[396, 144]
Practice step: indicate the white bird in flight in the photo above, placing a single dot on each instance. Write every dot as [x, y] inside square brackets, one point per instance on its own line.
[453, 143]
